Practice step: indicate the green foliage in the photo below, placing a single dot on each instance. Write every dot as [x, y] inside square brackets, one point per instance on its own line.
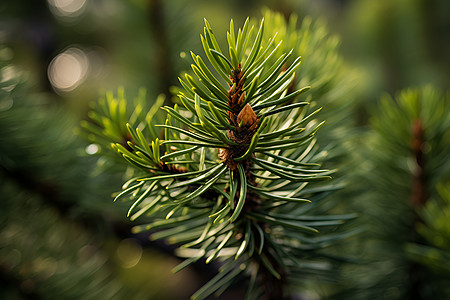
[436, 231]
[44, 252]
[110, 115]
[46, 255]
[406, 160]
[335, 86]
[215, 174]
[227, 176]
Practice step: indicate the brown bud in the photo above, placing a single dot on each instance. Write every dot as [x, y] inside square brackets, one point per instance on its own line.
[247, 116]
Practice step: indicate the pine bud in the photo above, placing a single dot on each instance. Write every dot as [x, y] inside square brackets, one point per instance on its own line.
[247, 116]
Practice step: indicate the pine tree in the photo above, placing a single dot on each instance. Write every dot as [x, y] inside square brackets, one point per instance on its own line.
[227, 174]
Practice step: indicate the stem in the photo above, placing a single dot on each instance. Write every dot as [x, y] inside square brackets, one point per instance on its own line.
[273, 287]
[245, 116]
[418, 200]
[418, 191]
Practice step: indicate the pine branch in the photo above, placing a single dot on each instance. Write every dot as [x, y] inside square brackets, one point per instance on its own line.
[407, 152]
[226, 175]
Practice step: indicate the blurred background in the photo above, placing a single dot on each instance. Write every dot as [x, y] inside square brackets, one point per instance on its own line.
[60, 235]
